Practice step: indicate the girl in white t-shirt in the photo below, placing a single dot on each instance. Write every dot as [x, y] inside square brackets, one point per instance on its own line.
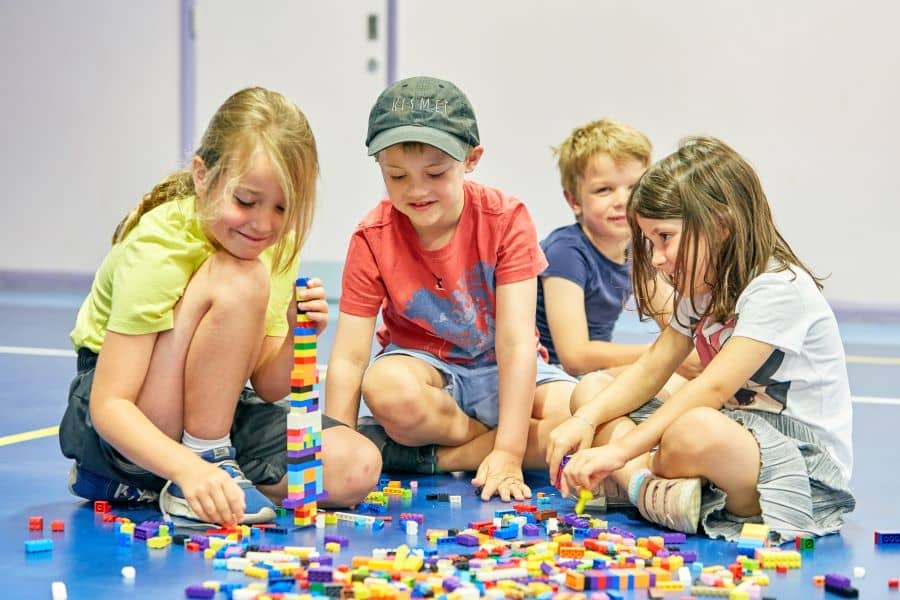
[764, 433]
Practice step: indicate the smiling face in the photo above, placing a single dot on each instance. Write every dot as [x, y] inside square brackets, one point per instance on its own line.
[251, 211]
[665, 237]
[599, 201]
[426, 185]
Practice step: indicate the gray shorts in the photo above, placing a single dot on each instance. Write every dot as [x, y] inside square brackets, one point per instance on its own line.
[258, 434]
[474, 388]
[800, 487]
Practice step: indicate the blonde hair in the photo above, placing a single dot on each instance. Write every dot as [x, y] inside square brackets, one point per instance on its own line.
[606, 136]
[251, 119]
[718, 197]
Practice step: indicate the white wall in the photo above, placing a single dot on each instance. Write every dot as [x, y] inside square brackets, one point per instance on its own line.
[807, 90]
[317, 53]
[90, 123]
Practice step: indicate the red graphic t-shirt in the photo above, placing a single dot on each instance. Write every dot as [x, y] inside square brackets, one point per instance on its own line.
[441, 301]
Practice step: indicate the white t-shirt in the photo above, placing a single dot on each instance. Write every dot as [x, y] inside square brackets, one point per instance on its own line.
[805, 377]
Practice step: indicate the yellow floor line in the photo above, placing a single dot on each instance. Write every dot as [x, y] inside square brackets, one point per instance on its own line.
[29, 435]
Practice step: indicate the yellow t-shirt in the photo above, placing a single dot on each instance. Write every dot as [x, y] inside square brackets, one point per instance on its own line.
[143, 276]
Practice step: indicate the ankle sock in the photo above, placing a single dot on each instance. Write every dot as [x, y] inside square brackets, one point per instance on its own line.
[634, 484]
[199, 445]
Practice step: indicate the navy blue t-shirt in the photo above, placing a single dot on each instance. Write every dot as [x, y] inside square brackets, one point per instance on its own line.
[606, 284]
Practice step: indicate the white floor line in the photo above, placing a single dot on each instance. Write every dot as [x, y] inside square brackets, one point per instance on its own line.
[323, 369]
[875, 400]
[36, 351]
[25, 351]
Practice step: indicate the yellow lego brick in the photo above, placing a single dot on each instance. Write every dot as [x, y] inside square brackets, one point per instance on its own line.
[708, 590]
[159, 541]
[670, 586]
[257, 572]
[756, 531]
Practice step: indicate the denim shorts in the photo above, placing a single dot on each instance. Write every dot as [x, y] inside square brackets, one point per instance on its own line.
[474, 388]
[258, 434]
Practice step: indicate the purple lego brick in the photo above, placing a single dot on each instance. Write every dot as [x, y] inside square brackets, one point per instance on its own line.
[674, 538]
[319, 574]
[529, 529]
[689, 556]
[199, 591]
[450, 584]
[340, 539]
[837, 580]
[466, 539]
[623, 532]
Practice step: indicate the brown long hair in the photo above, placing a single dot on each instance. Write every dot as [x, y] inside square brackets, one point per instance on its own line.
[251, 118]
[718, 198]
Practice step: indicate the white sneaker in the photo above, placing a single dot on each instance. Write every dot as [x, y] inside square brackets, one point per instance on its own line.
[672, 503]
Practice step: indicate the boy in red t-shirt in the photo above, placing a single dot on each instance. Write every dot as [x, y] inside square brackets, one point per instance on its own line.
[461, 382]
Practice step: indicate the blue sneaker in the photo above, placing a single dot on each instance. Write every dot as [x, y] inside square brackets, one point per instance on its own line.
[258, 508]
[91, 486]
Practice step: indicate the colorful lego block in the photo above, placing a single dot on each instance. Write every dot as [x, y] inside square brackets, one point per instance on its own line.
[805, 543]
[883, 537]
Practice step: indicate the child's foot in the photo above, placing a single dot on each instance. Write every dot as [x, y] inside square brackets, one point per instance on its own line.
[258, 508]
[396, 457]
[606, 495]
[672, 503]
[91, 486]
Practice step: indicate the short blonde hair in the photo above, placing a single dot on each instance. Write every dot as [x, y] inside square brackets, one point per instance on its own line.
[605, 136]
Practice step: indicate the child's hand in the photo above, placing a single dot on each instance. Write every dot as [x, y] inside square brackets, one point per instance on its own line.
[573, 434]
[212, 493]
[501, 473]
[312, 301]
[587, 468]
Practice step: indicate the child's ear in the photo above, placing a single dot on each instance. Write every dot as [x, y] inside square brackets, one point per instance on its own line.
[198, 172]
[572, 201]
[473, 157]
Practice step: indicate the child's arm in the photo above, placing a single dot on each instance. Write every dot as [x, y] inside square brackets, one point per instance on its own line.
[501, 470]
[564, 303]
[635, 386]
[346, 366]
[271, 378]
[121, 369]
[662, 305]
[732, 367]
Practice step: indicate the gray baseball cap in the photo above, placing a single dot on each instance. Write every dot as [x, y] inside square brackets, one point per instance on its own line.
[423, 109]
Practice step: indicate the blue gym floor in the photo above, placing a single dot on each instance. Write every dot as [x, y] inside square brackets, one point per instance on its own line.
[36, 365]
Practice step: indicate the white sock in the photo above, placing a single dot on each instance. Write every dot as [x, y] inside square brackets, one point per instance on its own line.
[200, 445]
[634, 484]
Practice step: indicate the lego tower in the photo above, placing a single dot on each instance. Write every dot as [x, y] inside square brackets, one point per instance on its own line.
[304, 425]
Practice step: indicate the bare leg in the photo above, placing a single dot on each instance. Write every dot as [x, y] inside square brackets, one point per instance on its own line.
[550, 409]
[351, 465]
[406, 397]
[726, 454]
[199, 367]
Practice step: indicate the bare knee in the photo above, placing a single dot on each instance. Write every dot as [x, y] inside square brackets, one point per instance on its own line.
[351, 466]
[687, 441]
[244, 282]
[589, 386]
[394, 396]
